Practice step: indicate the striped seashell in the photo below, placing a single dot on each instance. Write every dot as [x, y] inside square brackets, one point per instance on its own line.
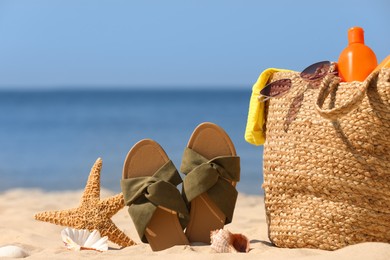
[77, 240]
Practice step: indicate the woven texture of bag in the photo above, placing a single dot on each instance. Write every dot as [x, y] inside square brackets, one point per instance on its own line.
[327, 162]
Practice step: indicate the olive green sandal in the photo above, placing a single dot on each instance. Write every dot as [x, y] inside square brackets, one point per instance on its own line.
[212, 170]
[155, 204]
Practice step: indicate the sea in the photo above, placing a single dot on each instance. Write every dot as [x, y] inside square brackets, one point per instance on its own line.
[49, 139]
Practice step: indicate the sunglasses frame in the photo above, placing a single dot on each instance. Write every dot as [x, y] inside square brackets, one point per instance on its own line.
[312, 73]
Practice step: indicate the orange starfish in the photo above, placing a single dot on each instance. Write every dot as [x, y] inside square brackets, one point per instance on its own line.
[92, 212]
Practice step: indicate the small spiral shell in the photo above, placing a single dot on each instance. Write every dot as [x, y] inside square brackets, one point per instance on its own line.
[223, 241]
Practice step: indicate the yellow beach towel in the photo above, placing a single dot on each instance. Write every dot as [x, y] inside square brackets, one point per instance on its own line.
[254, 127]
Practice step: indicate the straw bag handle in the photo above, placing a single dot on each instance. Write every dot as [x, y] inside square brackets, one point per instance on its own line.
[330, 84]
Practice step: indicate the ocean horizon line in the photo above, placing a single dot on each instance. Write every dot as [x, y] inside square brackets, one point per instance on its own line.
[126, 88]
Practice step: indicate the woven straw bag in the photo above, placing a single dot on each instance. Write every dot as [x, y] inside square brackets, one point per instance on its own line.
[327, 162]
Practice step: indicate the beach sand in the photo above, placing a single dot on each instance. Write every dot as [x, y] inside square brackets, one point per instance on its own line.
[42, 240]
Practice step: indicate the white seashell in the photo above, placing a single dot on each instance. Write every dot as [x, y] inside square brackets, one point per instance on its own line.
[13, 251]
[222, 241]
[77, 239]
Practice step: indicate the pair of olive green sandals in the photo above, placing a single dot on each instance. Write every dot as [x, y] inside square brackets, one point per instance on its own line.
[159, 211]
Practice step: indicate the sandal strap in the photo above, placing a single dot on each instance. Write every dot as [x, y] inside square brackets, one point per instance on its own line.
[213, 176]
[144, 194]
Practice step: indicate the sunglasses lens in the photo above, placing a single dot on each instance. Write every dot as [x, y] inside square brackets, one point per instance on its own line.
[316, 71]
[276, 88]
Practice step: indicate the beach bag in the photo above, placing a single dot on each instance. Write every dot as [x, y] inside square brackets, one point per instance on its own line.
[327, 162]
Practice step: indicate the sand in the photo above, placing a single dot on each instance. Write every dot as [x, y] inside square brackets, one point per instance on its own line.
[43, 241]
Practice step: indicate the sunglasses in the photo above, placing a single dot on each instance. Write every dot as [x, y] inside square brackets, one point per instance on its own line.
[314, 73]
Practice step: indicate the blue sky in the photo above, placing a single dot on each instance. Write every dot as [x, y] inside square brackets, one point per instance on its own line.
[175, 44]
